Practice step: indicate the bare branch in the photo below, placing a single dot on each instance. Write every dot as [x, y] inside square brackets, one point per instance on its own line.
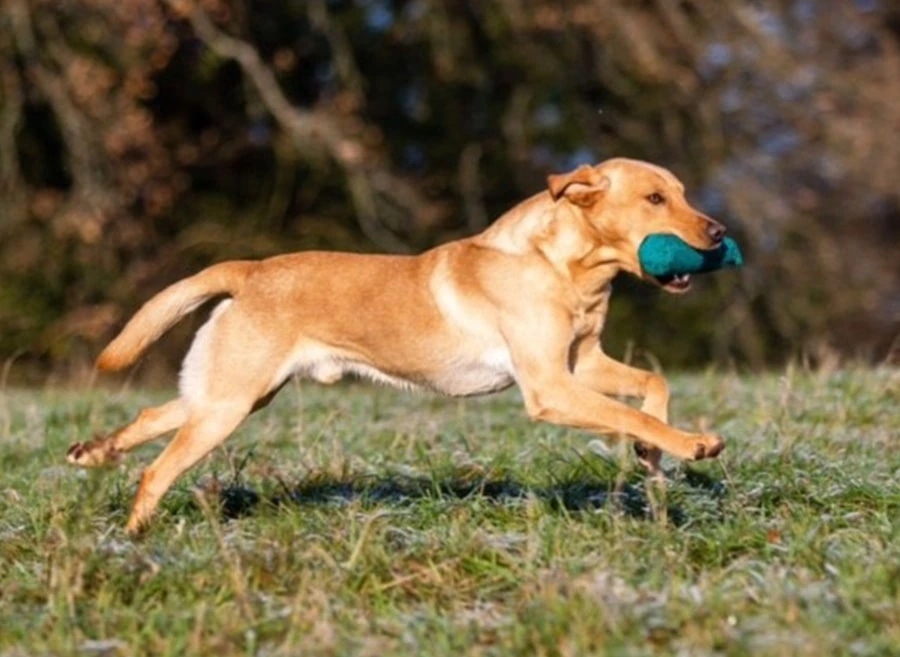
[349, 74]
[309, 129]
[86, 164]
[470, 187]
[300, 124]
[12, 187]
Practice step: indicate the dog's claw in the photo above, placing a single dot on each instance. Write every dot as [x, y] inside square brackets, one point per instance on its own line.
[708, 448]
[716, 448]
[75, 453]
[93, 453]
[135, 529]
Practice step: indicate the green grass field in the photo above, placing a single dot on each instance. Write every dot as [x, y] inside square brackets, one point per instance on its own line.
[360, 520]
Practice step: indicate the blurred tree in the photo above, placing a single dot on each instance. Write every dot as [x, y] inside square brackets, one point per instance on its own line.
[140, 140]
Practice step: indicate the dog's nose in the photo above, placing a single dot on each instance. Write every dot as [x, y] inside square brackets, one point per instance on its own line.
[716, 231]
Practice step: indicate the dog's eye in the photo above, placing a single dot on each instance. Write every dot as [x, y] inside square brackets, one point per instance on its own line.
[656, 198]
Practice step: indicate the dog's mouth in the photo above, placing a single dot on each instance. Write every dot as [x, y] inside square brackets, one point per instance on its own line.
[677, 283]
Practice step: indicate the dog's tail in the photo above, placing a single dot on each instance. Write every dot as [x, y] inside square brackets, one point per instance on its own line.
[165, 309]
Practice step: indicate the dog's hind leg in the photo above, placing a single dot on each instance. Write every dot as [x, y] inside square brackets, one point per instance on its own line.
[207, 427]
[149, 424]
[231, 368]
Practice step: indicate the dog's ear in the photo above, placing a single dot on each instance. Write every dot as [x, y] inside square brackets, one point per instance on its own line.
[583, 186]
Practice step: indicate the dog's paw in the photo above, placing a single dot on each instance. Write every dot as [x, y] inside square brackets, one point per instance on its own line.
[707, 447]
[136, 527]
[93, 453]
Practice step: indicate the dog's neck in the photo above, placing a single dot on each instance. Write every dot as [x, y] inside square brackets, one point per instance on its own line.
[557, 232]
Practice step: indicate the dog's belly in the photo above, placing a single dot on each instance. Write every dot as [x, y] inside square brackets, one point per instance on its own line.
[489, 372]
[459, 376]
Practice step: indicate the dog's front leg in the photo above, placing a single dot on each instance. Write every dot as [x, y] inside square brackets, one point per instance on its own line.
[553, 393]
[606, 375]
[564, 400]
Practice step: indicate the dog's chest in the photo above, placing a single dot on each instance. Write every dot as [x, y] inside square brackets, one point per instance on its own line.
[590, 317]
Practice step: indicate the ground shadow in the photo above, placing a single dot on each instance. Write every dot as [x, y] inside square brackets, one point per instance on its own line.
[630, 499]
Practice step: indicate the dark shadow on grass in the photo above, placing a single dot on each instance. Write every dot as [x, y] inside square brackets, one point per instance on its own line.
[586, 494]
[714, 488]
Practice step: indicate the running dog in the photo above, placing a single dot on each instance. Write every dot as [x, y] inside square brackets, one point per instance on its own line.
[523, 302]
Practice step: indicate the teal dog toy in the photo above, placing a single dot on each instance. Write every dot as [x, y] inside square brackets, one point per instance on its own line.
[666, 256]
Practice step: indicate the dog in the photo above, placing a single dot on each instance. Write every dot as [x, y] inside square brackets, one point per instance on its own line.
[523, 302]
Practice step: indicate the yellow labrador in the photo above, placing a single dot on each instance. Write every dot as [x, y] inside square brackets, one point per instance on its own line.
[523, 302]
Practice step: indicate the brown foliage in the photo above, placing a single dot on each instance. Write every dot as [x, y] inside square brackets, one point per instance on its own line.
[139, 140]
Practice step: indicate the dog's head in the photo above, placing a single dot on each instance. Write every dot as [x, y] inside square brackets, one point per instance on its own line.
[620, 202]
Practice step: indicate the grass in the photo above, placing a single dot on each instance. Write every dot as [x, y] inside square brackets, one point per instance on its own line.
[359, 520]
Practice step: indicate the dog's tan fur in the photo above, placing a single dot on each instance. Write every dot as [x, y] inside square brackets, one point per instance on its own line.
[523, 302]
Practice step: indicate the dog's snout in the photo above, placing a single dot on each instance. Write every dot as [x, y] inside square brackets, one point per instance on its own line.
[716, 231]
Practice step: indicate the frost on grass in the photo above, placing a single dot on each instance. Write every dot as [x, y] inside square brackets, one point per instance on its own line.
[364, 521]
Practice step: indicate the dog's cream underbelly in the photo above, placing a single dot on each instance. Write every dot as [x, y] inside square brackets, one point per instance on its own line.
[462, 375]
[491, 371]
